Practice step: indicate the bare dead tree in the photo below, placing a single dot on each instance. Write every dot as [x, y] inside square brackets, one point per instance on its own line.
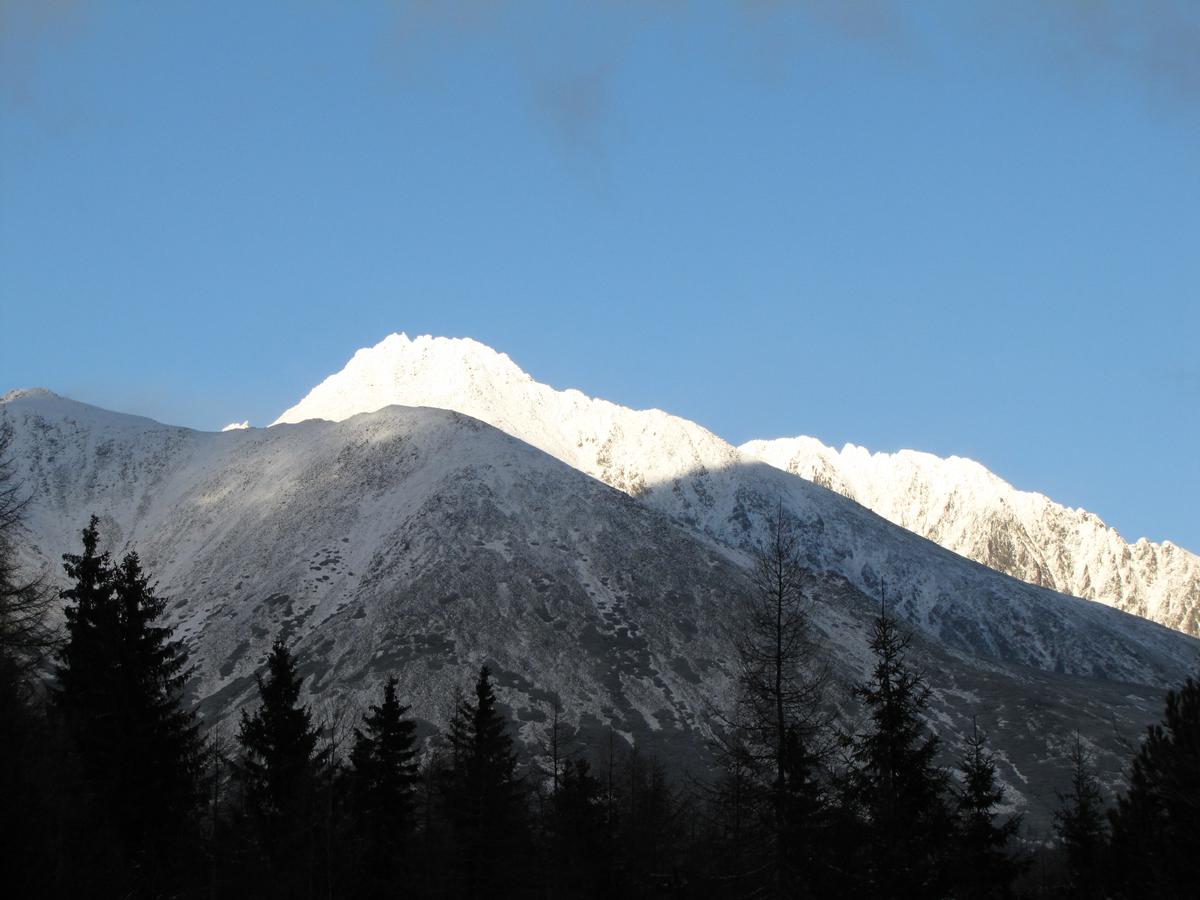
[779, 730]
[26, 637]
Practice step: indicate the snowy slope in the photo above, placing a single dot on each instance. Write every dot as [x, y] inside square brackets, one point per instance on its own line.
[965, 508]
[685, 471]
[424, 542]
[410, 540]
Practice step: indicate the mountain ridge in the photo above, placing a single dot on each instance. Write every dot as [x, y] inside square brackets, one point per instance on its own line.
[961, 505]
[674, 464]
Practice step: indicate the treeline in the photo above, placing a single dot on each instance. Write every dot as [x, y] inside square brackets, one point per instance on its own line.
[111, 790]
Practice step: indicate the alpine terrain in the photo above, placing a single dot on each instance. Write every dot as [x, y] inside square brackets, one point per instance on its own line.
[965, 508]
[431, 508]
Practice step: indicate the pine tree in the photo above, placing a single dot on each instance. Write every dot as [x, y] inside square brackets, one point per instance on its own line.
[1156, 824]
[281, 770]
[119, 689]
[485, 796]
[984, 865]
[894, 783]
[383, 777]
[1079, 823]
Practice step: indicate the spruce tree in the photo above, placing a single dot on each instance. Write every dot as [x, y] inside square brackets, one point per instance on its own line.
[119, 690]
[582, 838]
[1156, 824]
[894, 783]
[280, 770]
[485, 797]
[984, 866]
[383, 778]
[1079, 823]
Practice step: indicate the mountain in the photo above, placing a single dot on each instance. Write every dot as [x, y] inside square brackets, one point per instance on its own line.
[965, 508]
[416, 541]
[425, 542]
[685, 471]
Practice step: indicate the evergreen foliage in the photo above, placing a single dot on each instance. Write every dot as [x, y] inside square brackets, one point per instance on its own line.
[650, 825]
[100, 798]
[119, 692]
[984, 865]
[894, 784]
[1079, 824]
[1156, 824]
[281, 772]
[383, 777]
[485, 797]
[582, 836]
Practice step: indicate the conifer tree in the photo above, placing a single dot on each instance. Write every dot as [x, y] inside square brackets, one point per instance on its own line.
[582, 838]
[164, 765]
[984, 866]
[88, 661]
[650, 822]
[485, 796]
[894, 783]
[1156, 824]
[1079, 823]
[119, 689]
[383, 777]
[280, 771]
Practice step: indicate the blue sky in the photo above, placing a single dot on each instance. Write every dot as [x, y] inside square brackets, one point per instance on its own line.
[964, 228]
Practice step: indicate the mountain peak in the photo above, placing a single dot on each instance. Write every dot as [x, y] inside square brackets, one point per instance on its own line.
[421, 371]
[33, 393]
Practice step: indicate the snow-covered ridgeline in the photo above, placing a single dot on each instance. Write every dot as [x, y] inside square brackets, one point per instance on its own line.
[962, 506]
[686, 471]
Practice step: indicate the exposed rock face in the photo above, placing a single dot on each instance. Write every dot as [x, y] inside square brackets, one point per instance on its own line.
[965, 508]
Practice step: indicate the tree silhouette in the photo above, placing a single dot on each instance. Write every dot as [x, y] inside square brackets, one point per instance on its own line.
[25, 633]
[1079, 823]
[383, 777]
[777, 732]
[984, 866]
[894, 783]
[1156, 824]
[26, 750]
[485, 796]
[280, 770]
[581, 835]
[119, 690]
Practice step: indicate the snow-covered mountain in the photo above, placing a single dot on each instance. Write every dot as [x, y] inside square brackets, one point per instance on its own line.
[679, 468]
[962, 506]
[424, 542]
[416, 541]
